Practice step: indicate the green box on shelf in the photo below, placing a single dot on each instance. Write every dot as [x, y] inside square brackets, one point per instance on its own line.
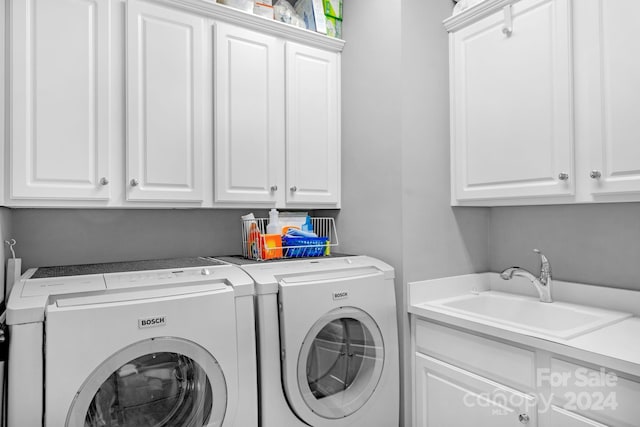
[334, 27]
[333, 8]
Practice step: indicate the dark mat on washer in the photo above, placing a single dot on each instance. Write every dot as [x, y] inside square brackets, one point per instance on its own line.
[119, 267]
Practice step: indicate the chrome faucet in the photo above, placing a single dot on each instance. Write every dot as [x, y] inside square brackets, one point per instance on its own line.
[542, 283]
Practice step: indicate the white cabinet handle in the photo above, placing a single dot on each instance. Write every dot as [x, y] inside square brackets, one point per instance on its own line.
[134, 182]
[595, 174]
[507, 29]
[104, 181]
[274, 188]
[294, 189]
[563, 176]
[523, 418]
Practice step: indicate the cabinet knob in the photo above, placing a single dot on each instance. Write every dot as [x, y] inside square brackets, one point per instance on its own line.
[523, 418]
[104, 181]
[294, 189]
[507, 31]
[274, 188]
[563, 176]
[595, 174]
[134, 182]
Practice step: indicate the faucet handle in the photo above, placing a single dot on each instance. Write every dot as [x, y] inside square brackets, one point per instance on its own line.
[545, 268]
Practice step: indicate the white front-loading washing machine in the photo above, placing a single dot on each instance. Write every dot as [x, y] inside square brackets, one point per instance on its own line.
[328, 342]
[150, 343]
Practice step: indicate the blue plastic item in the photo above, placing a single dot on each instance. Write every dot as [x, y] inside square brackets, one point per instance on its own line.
[299, 247]
[307, 226]
[292, 232]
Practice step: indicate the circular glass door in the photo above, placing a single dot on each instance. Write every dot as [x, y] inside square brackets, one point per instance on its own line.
[161, 382]
[340, 362]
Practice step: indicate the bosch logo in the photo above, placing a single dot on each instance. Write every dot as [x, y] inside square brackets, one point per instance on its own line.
[151, 322]
[340, 295]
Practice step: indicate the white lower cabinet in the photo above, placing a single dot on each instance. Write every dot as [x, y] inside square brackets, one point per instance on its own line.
[448, 396]
[562, 418]
[464, 379]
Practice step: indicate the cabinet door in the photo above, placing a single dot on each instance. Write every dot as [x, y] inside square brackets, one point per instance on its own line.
[511, 109]
[613, 88]
[312, 125]
[560, 417]
[449, 396]
[165, 103]
[249, 111]
[60, 99]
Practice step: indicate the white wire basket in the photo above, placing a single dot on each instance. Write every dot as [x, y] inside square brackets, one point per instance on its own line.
[260, 246]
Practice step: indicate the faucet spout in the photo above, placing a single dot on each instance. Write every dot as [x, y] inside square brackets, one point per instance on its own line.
[542, 283]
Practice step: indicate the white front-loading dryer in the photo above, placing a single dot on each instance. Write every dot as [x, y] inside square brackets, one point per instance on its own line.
[164, 347]
[328, 342]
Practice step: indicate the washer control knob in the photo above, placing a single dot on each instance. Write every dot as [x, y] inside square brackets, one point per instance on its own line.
[205, 272]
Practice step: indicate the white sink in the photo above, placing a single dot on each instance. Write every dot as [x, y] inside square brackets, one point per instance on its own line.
[558, 319]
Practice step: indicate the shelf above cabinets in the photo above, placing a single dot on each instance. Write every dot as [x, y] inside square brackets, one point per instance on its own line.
[541, 104]
[168, 103]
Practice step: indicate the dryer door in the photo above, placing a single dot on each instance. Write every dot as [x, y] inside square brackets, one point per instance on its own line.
[340, 362]
[160, 382]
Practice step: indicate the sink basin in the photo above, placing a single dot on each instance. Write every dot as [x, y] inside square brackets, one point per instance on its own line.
[558, 319]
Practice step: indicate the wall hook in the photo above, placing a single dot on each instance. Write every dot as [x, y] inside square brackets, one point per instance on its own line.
[11, 244]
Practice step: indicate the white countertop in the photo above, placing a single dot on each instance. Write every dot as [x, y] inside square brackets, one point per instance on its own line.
[616, 346]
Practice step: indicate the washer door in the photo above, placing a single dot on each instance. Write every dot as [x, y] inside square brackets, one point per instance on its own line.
[157, 382]
[340, 362]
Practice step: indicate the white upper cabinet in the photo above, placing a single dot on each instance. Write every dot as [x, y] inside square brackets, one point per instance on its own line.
[166, 103]
[609, 79]
[166, 51]
[249, 125]
[60, 99]
[313, 125]
[512, 127]
[544, 102]
[277, 121]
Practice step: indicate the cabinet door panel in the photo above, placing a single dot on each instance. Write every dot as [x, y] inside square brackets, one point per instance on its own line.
[560, 417]
[512, 118]
[598, 394]
[60, 99]
[249, 150]
[614, 87]
[313, 129]
[165, 114]
[449, 396]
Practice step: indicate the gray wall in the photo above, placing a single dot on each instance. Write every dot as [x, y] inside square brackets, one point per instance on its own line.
[67, 236]
[438, 240]
[395, 139]
[595, 244]
[5, 234]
